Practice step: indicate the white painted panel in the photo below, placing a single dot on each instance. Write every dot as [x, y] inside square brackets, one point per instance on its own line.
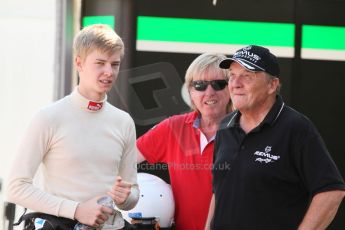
[27, 39]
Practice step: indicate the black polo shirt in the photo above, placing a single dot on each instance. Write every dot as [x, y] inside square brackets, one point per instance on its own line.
[265, 179]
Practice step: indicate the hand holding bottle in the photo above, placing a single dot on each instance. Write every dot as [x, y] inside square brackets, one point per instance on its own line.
[93, 213]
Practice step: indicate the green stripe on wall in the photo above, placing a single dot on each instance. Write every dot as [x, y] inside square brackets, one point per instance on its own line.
[323, 37]
[215, 31]
[90, 20]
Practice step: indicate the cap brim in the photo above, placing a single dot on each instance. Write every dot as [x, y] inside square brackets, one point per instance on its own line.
[225, 64]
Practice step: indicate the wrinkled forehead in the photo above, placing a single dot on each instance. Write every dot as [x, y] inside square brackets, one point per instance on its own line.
[236, 67]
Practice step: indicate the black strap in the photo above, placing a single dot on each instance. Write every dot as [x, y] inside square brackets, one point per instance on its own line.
[52, 222]
[21, 218]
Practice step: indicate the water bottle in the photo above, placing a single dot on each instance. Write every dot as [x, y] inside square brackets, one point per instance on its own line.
[106, 201]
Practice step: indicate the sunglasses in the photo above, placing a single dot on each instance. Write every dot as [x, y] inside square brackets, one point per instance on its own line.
[217, 85]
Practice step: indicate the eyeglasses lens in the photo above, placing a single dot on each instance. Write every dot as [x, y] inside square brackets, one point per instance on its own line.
[217, 85]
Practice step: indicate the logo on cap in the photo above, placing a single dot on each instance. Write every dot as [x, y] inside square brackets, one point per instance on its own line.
[247, 48]
[254, 58]
[247, 55]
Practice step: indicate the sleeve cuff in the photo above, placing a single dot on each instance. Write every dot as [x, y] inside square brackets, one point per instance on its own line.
[132, 199]
[67, 209]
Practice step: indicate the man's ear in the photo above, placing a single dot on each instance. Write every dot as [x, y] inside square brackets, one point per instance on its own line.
[78, 63]
[274, 84]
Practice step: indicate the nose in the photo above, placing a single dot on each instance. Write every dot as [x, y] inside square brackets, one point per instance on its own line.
[108, 70]
[209, 89]
[234, 82]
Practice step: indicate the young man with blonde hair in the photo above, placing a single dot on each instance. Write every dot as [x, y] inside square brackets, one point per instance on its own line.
[85, 146]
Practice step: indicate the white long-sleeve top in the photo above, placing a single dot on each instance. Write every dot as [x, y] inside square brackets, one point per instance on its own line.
[81, 152]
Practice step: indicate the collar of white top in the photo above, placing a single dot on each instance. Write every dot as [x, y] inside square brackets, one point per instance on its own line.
[84, 103]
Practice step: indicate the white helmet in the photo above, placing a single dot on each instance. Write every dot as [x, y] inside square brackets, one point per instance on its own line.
[156, 201]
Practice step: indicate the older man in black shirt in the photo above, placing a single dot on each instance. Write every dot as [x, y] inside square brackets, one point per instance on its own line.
[278, 174]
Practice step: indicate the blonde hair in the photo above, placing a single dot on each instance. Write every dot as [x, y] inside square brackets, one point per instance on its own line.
[97, 37]
[206, 63]
[203, 64]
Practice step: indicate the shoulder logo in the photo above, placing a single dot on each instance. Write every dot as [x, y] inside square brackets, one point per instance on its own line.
[267, 156]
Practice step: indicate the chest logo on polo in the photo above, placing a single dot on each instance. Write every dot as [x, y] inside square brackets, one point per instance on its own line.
[267, 156]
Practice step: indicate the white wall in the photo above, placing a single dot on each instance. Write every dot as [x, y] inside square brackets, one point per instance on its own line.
[27, 39]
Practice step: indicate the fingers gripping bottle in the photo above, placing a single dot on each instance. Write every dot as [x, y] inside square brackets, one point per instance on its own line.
[106, 201]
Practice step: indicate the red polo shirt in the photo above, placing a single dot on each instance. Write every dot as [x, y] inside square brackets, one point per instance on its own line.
[176, 142]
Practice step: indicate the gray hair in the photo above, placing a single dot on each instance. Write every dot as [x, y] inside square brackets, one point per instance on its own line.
[270, 78]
